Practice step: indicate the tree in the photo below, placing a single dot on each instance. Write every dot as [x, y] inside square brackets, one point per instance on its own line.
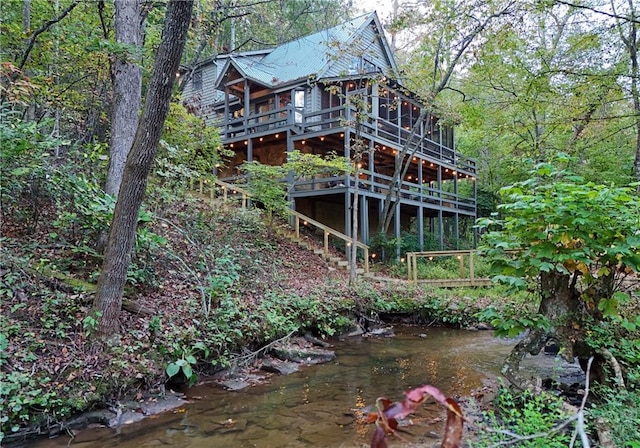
[266, 183]
[626, 23]
[574, 240]
[542, 87]
[453, 28]
[227, 26]
[122, 233]
[126, 75]
[628, 29]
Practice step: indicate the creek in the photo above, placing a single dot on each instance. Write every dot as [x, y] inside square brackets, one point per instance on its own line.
[318, 406]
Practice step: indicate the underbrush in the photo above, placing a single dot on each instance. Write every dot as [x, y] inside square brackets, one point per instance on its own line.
[524, 419]
[441, 268]
[618, 412]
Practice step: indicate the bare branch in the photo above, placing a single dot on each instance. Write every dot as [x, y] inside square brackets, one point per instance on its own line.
[598, 11]
[42, 29]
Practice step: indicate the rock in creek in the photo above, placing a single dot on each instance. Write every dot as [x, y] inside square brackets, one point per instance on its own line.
[300, 351]
[278, 366]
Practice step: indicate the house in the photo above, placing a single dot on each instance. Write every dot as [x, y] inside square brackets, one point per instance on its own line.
[299, 96]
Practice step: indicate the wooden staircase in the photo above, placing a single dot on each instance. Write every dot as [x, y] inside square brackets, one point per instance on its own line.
[293, 233]
[333, 259]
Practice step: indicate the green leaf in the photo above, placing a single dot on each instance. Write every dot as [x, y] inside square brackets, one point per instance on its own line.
[172, 369]
[20, 171]
[609, 307]
[187, 370]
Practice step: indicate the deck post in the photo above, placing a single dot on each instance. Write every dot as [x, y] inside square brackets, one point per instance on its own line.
[456, 226]
[396, 226]
[364, 219]
[366, 260]
[440, 230]
[326, 242]
[471, 268]
[421, 227]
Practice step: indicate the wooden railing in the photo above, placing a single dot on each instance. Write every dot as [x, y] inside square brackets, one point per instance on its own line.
[327, 232]
[378, 184]
[464, 280]
[334, 118]
[230, 189]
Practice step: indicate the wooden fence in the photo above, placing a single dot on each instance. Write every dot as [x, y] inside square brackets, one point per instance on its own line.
[467, 275]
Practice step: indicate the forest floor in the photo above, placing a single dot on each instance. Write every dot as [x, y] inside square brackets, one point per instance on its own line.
[208, 287]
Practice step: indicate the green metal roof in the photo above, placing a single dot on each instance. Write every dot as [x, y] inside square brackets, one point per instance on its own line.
[300, 58]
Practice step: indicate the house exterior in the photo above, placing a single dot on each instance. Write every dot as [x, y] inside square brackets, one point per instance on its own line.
[298, 96]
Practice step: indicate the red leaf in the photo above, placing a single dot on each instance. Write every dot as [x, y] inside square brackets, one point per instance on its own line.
[453, 429]
[388, 413]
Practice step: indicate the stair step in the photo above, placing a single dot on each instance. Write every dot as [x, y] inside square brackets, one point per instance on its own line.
[343, 263]
[334, 259]
[318, 251]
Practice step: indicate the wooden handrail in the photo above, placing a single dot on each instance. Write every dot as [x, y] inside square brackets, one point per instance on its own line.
[328, 231]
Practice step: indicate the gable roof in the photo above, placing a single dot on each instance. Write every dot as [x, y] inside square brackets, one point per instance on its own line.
[314, 54]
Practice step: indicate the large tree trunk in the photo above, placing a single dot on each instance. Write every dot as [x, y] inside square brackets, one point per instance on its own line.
[560, 304]
[122, 235]
[127, 89]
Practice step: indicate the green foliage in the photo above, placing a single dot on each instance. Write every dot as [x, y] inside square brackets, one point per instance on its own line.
[620, 335]
[191, 150]
[531, 91]
[616, 403]
[510, 322]
[90, 323]
[266, 183]
[386, 246]
[555, 221]
[222, 277]
[84, 211]
[185, 365]
[524, 414]
[25, 154]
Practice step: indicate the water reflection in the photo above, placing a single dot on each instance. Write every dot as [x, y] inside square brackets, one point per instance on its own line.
[320, 405]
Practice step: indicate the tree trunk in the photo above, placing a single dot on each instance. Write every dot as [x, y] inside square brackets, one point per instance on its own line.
[560, 304]
[127, 90]
[122, 235]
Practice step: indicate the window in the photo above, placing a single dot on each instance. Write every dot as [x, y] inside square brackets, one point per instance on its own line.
[197, 80]
[369, 67]
[298, 102]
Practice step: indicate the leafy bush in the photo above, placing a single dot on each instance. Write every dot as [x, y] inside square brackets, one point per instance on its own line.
[625, 432]
[524, 414]
[24, 150]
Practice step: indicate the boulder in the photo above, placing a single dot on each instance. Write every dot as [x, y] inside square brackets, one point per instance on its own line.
[278, 366]
[300, 351]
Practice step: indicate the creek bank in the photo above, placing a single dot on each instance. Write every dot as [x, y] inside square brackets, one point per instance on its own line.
[113, 417]
[284, 358]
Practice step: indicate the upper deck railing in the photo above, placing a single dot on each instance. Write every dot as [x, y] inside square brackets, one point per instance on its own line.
[335, 119]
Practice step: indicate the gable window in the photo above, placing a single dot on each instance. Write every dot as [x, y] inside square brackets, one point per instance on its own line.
[197, 80]
[298, 102]
[369, 67]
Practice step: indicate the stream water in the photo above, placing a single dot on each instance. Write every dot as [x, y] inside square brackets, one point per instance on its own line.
[318, 406]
